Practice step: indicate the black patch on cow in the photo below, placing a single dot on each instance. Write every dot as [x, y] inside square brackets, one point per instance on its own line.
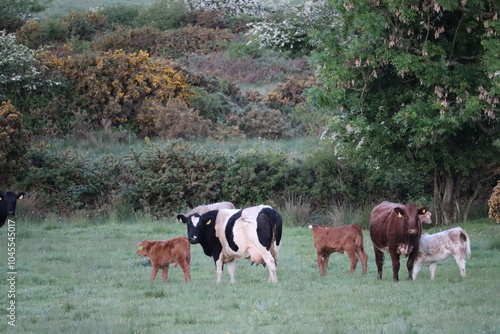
[462, 236]
[265, 226]
[229, 231]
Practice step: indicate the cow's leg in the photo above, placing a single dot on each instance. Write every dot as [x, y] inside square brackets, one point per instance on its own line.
[364, 259]
[186, 270]
[164, 273]
[323, 263]
[219, 265]
[354, 260]
[395, 265]
[460, 260]
[154, 272]
[379, 260]
[231, 267]
[416, 269]
[432, 269]
[409, 265]
[271, 265]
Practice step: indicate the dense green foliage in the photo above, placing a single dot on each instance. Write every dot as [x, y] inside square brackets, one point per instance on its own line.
[413, 87]
[402, 106]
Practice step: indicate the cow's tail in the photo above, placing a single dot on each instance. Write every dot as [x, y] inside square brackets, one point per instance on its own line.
[465, 237]
[276, 222]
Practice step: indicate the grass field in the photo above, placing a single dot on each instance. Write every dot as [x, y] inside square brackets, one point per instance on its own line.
[84, 277]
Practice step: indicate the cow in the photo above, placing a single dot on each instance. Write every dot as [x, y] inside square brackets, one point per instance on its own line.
[396, 229]
[201, 209]
[228, 234]
[440, 246]
[8, 202]
[328, 240]
[176, 251]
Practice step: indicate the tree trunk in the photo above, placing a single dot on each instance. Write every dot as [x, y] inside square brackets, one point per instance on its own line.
[446, 190]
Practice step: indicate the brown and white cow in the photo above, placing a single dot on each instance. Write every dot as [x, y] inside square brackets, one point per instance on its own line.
[328, 240]
[440, 246]
[176, 251]
[396, 229]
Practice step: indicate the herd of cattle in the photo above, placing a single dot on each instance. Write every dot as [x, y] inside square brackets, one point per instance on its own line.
[226, 234]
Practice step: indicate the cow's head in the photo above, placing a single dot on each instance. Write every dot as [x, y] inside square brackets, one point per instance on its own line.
[410, 215]
[9, 200]
[196, 225]
[143, 248]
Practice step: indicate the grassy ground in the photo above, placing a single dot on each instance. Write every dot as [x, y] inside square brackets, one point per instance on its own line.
[84, 277]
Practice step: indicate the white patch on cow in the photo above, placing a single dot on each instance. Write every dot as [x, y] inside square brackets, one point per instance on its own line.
[404, 249]
[195, 220]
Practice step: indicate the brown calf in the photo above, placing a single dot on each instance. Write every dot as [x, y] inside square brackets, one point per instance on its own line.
[328, 240]
[176, 251]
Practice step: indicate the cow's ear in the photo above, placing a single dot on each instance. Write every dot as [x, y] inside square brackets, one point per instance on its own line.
[20, 196]
[422, 211]
[182, 219]
[400, 212]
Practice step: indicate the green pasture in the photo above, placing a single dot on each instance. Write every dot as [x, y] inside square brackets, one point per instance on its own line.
[81, 276]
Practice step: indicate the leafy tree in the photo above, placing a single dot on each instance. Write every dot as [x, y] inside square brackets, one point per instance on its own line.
[414, 85]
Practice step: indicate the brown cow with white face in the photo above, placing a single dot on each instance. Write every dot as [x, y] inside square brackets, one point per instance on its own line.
[396, 229]
[163, 253]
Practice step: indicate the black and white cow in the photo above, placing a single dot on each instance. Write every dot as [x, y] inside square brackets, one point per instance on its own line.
[228, 234]
[8, 202]
[201, 209]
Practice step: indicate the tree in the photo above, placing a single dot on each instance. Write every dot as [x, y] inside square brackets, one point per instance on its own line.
[414, 85]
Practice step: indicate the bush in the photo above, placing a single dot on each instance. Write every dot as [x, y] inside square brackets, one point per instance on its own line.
[131, 40]
[114, 85]
[35, 34]
[211, 19]
[14, 142]
[163, 14]
[86, 25]
[176, 176]
[264, 123]
[121, 14]
[171, 120]
[196, 40]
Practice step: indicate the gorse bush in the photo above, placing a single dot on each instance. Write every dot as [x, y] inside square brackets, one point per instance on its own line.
[114, 85]
[14, 142]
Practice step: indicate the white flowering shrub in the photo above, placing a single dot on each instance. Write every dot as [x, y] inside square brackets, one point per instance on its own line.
[233, 7]
[17, 66]
[287, 26]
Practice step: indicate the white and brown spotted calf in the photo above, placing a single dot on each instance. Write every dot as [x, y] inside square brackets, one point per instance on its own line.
[440, 246]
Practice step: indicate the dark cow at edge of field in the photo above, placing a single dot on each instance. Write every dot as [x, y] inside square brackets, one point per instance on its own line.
[163, 253]
[8, 202]
[228, 234]
[348, 238]
[440, 246]
[396, 229]
[201, 209]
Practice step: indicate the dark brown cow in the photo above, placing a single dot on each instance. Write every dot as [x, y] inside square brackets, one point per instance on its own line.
[396, 229]
[328, 240]
[176, 251]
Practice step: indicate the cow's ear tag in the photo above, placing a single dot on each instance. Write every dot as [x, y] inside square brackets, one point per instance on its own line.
[141, 248]
[180, 220]
[400, 215]
[21, 197]
[208, 222]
